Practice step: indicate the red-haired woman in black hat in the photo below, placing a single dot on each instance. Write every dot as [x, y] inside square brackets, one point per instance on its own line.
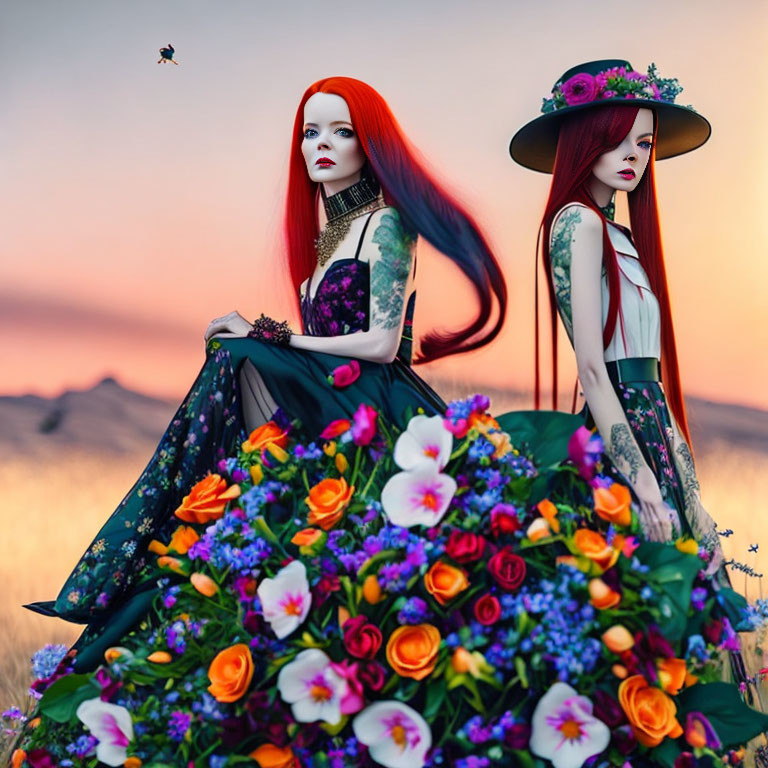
[602, 129]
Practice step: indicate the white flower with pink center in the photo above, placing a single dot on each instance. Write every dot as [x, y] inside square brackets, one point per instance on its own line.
[420, 496]
[425, 440]
[312, 688]
[396, 735]
[564, 730]
[285, 599]
[111, 725]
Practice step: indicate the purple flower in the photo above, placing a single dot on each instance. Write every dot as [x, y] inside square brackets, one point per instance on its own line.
[700, 733]
[178, 725]
[699, 598]
[579, 89]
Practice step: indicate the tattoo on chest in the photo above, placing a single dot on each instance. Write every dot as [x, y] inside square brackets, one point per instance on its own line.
[691, 486]
[623, 449]
[560, 258]
[389, 274]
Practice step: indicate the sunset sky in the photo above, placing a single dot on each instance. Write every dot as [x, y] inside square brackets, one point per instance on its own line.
[138, 201]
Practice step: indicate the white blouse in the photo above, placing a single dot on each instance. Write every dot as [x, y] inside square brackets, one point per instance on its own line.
[641, 328]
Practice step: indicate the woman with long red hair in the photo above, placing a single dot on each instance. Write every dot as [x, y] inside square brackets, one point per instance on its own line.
[354, 279]
[602, 129]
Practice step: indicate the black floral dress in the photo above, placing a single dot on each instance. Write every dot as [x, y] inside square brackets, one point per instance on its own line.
[107, 590]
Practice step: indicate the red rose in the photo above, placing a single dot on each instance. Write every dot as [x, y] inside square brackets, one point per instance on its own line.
[507, 568]
[372, 675]
[361, 639]
[464, 547]
[346, 374]
[487, 610]
[504, 519]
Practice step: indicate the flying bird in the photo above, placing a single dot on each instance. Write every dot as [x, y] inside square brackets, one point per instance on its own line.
[166, 54]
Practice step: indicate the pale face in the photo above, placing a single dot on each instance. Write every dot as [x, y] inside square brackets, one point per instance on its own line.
[330, 147]
[623, 167]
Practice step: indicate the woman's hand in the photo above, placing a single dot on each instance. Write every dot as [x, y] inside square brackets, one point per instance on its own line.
[233, 324]
[658, 520]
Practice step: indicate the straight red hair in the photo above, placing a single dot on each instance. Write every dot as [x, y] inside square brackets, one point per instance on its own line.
[584, 136]
[425, 208]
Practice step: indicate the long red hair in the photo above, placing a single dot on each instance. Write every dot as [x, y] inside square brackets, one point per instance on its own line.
[425, 208]
[584, 136]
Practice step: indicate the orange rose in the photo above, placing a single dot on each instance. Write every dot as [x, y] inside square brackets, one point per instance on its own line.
[306, 537]
[651, 713]
[132, 762]
[672, 673]
[612, 504]
[538, 529]
[230, 673]
[445, 581]
[265, 435]
[205, 585]
[18, 758]
[412, 650]
[327, 501]
[160, 657]
[270, 756]
[595, 547]
[602, 596]
[483, 422]
[371, 589]
[618, 639]
[172, 563]
[206, 500]
[183, 538]
[549, 512]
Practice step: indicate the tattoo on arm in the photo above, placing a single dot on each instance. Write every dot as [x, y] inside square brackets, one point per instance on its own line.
[622, 447]
[389, 274]
[691, 488]
[560, 258]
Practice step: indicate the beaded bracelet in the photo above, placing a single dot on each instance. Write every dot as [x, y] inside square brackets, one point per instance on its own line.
[267, 329]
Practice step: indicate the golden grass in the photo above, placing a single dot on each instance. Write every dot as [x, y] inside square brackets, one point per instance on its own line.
[50, 511]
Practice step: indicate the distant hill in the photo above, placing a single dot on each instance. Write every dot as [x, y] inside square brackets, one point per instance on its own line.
[111, 419]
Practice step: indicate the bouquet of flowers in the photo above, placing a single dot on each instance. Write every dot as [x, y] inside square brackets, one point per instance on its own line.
[428, 598]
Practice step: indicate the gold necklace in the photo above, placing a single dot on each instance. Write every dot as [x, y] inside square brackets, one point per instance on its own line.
[337, 229]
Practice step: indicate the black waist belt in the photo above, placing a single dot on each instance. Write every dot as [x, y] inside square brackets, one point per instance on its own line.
[634, 369]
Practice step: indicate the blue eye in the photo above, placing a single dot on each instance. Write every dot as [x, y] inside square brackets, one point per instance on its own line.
[346, 133]
[646, 144]
[310, 133]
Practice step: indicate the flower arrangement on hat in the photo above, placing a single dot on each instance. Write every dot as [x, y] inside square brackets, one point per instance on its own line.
[431, 598]
[619, 82]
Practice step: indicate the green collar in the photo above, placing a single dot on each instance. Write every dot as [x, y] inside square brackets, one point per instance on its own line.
[609, 211]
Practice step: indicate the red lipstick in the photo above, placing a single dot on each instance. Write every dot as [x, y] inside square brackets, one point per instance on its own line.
[627, 173]
[325, 162]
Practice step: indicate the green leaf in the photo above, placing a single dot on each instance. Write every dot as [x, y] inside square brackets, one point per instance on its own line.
[671, 573]
[546, 433]
[435, 697]
[61, 700]
[721, 703]
[666, 753]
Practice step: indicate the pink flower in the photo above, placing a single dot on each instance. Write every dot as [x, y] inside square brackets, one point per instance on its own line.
[602, 77]
[584, 449]
[579, 89]
[630, 545]
[459, 429]
[364, 424]
[346, 374]
[352, 697]
[609, 94]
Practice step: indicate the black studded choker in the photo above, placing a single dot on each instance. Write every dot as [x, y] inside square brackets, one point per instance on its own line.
[361, 193]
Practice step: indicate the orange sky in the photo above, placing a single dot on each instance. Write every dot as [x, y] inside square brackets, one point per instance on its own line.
[138, 201]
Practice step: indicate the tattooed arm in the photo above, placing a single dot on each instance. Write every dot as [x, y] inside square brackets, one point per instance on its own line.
[703, 526]
[576, 255]
[388, 249]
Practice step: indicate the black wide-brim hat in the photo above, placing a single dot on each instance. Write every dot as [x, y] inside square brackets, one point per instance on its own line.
[603, 83]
